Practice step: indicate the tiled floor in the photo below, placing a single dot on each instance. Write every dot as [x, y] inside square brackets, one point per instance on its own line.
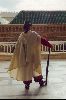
[56, 88]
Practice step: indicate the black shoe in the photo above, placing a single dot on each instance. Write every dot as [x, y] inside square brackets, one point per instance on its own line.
[42, 83]
[27, 87]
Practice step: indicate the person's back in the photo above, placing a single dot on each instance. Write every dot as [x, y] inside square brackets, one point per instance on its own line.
[26, 60]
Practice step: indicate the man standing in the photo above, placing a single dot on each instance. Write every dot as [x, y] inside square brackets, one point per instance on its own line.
[26, 60]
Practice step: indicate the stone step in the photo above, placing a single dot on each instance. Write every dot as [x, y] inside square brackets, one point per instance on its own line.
[53, 55]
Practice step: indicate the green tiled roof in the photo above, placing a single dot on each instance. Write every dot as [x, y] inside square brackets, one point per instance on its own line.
[40, 17]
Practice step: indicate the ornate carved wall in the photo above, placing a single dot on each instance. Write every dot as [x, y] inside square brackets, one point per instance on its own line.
[10, 33]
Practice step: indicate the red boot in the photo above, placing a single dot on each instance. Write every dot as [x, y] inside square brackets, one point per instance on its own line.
[27, 86]
[42, 83]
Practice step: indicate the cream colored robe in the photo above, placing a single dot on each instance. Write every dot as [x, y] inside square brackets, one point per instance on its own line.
[24, 68]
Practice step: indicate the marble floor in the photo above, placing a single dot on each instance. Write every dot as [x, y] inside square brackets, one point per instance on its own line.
[55, 89]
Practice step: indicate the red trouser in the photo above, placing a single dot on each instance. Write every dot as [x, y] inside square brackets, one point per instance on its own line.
[36, 79]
